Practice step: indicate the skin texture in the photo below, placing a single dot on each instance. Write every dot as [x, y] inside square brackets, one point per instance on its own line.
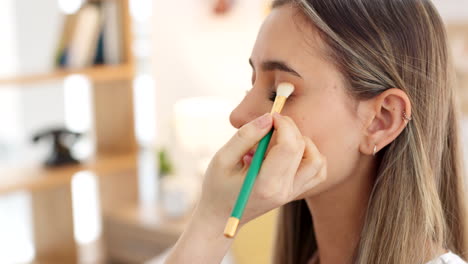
[321, 150]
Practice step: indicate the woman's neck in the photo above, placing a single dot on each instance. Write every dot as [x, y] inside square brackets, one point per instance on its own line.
[338, 215]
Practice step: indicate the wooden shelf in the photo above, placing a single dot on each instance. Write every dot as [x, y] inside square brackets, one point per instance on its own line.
[137, 233]
[92, 253]
[95, 73]
[50, 192]
[35, 177]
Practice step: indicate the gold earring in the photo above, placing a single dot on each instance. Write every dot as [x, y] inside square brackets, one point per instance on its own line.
[375, 150]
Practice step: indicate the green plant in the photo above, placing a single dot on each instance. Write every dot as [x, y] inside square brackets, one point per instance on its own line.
[165, 165]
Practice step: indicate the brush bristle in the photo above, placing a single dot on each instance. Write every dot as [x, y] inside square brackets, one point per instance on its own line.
[285, 89]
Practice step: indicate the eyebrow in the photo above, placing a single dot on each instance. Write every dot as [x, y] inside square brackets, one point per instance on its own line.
[272, 65]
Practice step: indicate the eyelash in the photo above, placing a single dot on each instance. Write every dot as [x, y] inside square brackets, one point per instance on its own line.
[272, 96]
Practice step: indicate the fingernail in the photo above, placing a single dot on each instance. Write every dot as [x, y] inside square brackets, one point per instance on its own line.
[264, 121]
[277, 115]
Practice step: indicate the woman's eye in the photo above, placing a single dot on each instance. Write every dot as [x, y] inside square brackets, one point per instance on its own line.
[272, 96]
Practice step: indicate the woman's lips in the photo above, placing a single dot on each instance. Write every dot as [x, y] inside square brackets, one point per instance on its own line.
[248, 157]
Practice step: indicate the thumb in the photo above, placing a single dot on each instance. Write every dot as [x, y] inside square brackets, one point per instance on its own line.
[245, 138]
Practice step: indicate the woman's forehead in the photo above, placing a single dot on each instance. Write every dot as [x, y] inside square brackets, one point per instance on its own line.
[286, 36]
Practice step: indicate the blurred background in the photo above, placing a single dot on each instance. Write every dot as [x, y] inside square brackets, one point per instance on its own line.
[111, 111]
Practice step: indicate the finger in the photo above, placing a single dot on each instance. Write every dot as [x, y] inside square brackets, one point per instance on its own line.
[310, 151]
[245, 139]
[312, 169]
[289, 145]
[320, 177]
[287, 132]
[282, 161]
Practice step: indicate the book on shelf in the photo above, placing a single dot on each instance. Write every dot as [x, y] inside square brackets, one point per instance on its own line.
[91, 36]
[83, 46]
[112, 33]
[65, 38]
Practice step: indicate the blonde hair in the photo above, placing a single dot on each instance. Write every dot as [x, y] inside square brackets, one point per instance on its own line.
[417, 204]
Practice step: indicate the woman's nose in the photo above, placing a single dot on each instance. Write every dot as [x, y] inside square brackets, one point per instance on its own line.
[236, 118]
[246, 111]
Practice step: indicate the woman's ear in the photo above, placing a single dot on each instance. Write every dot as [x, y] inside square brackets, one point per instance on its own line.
[385, 116]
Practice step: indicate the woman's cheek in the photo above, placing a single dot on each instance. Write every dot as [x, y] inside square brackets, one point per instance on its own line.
[298, 113]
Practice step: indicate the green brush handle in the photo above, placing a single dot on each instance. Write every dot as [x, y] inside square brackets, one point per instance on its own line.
[251, 176]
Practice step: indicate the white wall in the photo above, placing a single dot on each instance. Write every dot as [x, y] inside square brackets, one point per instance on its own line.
[9, 97]
[38, 25]
[452, 10]
[197, 53]
[8, 53]
[29, 30]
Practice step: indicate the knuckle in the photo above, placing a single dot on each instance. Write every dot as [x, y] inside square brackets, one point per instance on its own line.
[293, 146]
[312, 169]
[322, 171]
[318, 162]
[220, 159]
[324, 167]
[307, 140]
[298, 145]
[323, 176]
[323, 161]
[279, 197]
[243, 133]
[288, 149]
[265, 193]
[282, 197]
[272, 193]
[311, 146]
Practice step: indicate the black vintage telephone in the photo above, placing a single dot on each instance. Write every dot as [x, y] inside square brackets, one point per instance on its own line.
[62, 140]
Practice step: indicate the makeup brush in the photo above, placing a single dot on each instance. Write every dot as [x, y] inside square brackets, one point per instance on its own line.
[283, 91]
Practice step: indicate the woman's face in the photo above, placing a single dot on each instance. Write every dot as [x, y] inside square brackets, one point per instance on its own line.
[288, 50]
